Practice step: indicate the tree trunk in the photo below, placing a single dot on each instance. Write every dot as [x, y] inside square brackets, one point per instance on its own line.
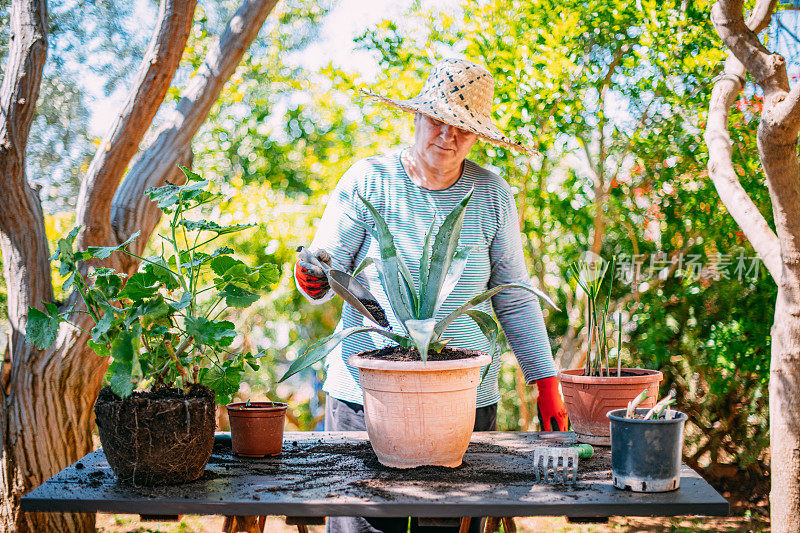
[46, 413]
[782, 166]
[777, 147]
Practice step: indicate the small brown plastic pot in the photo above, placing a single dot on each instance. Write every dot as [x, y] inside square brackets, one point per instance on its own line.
[257, 429]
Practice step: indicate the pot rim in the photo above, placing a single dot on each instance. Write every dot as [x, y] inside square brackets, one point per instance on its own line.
[259, 407]
[618, 415]
[419, 366]
[644, 375]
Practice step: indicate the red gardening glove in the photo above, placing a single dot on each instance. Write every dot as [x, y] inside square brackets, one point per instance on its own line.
[552, 413]
[310, 277]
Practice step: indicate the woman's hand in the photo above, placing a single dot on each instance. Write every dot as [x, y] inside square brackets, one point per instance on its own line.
[552, 412]
[310, 277]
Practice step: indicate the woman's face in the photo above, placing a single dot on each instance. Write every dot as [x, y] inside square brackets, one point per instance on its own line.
[441, 145]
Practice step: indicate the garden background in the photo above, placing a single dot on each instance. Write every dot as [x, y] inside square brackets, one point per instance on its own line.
[613, 96]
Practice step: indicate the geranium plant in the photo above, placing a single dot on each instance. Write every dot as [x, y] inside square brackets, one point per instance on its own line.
[163, 325]
[441, 265]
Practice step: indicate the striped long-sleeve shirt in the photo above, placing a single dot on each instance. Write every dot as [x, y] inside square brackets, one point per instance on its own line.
[490, 227]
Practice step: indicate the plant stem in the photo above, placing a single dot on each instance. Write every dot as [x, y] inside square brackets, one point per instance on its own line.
[174, 358]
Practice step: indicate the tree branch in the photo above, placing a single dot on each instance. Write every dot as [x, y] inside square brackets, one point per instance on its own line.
[768, 69]
[722, 174]
[121, 143]
[26, 264]
[129, 210]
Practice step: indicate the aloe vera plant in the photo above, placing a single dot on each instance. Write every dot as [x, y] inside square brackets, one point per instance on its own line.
[441, 265]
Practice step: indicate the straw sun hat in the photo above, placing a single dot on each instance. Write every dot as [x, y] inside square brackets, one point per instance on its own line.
[459, 93]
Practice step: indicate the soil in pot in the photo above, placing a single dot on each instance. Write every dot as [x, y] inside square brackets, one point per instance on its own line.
[404, 353]
[257, 428]
[160, 437]
[589, 398]
[419, 413]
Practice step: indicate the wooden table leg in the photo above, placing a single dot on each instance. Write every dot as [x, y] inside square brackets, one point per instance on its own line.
[248, 524]
[508, 524]
[492, 525]
[465, 524]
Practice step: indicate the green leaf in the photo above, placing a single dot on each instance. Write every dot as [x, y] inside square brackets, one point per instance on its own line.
[210, 332]
[236, 296]
[108, 284]
[224, 381]
[121, 379]
[446, 321]
[104, 252]
[158, 269]
[102, 327]
[388, 268]
[41, 329]
[183, 303]
[421, 333]
[444, 248]
[68, 282]
[224, 264]
[139, 286]
[190, 176]
[99, 348]
[122, 348]
[488, 327]
[457, 267]
[207, 225]
[263, 276]
[366, 262]
[424, 264]
[318, 350]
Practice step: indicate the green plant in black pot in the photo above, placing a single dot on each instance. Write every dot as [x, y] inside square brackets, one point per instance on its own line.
[164, 328]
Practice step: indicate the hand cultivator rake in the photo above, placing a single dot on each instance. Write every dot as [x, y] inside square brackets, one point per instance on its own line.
[559, 465]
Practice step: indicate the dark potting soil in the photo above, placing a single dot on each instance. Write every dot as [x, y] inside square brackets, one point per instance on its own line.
[376, 311]
[405, 353]
[309, 465]
[158, 437]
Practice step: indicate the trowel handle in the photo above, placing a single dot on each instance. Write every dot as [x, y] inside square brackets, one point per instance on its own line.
[310, 257]
[585, 451]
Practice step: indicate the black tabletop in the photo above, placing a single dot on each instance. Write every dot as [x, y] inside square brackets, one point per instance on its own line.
[337, 474]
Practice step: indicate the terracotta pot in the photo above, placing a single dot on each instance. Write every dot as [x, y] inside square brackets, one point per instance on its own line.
[419, 413]
[589, 398]
[257, 430]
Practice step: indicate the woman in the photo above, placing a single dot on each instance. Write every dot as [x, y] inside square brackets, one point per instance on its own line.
[412, 188]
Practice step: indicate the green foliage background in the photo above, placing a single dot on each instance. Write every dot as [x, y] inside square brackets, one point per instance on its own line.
[607, 92]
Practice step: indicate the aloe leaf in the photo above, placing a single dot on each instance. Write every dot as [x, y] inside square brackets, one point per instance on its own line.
[362, 266]
[444, 248]
[488, 327]
[408, 285]
[421, 333]
[389, 264]
[453, 275]
[321, 348]
[446, 321]
[424, 264]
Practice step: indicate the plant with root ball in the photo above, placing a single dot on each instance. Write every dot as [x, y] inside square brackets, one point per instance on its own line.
[416, 306]
[161, 326]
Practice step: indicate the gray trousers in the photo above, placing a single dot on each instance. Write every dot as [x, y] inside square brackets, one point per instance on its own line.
[346, 416]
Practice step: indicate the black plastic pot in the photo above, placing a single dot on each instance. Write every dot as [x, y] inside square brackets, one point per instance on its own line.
[646, 454]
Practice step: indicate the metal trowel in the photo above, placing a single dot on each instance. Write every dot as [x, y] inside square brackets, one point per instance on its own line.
[352, 291]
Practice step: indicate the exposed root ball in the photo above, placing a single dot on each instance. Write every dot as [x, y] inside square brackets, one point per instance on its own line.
[160, 437]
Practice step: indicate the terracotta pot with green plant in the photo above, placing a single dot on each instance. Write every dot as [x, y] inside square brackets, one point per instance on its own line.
[163, 329]
[419, 395]
[591, 392]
